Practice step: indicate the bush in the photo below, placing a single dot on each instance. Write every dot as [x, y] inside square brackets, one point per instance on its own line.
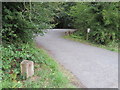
[101, 17]
[22, 20]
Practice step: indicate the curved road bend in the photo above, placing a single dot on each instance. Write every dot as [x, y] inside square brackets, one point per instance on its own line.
[94, 67]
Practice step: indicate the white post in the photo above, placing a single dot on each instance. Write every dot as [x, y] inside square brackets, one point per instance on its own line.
[88, 30]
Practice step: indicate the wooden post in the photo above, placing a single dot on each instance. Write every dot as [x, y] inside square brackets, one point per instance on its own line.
[27, 68]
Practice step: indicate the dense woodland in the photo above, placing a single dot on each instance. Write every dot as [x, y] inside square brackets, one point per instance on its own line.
[22, 21]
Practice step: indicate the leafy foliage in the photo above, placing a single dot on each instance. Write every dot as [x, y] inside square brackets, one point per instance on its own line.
[22, 20]
[62, 19]
[46, 69]
[101, 17]
[12, 56]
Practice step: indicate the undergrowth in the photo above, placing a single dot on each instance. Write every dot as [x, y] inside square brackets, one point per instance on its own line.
[47, 72]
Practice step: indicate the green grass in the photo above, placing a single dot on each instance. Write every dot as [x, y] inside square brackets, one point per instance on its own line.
[48, 73]
[111, 47]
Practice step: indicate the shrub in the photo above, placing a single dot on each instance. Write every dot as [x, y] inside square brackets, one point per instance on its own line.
[101, 17]
[22, 20]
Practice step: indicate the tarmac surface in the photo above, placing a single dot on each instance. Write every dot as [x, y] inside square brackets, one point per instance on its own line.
[94, 67]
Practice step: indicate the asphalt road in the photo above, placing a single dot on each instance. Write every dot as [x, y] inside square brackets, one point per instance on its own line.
[94, 67]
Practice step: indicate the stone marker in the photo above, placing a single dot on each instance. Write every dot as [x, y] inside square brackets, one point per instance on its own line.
[27, 68]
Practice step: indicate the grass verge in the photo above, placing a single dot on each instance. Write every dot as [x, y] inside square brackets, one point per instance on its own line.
[48, 74]
[111, 47]
[47, 71]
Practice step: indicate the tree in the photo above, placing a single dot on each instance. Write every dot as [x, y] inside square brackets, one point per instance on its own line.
[101, 17]
[23, 19]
